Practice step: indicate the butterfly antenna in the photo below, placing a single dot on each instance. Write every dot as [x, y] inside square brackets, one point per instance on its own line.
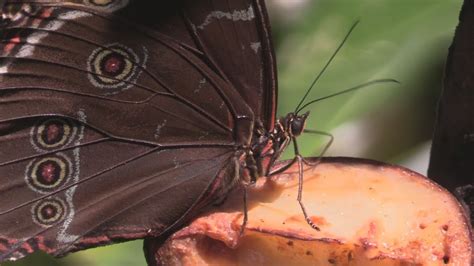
[326, 66]
[363, 85]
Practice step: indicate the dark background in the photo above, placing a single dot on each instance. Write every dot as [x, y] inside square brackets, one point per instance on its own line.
[406, 40]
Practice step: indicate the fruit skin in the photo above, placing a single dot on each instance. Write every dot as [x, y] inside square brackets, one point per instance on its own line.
[370, 213]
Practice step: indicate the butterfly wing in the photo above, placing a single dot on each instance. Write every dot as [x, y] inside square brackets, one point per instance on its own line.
[244, 52]
[106, 131]
[232, 36]
[97, 190]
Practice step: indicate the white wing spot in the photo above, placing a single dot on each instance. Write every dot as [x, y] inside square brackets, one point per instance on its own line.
[3, 69]
[236, 15]
[203, 135]
[158, 129]
[28, 49]
[255, 46]
[63, 236]
[202, 82]
[176, 163]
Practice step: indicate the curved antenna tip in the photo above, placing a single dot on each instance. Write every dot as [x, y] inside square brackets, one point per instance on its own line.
[360, 86]
[321, 72]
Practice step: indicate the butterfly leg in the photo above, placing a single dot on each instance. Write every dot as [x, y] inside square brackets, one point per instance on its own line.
[251, 181]
[300, 193]
[246, 216]
[284, 168]
[295, 159]
[298, 158]
[324, 150]
[302, 161]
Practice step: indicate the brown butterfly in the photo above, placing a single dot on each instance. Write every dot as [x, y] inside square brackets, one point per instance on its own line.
[120, 120]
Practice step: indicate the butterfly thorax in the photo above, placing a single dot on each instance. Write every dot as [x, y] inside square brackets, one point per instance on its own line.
[267, 146]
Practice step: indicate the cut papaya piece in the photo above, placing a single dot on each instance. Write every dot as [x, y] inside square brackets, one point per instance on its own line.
[369, 213]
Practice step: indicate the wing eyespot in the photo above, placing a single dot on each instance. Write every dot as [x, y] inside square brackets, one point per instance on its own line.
[49, 211]
[45, 175]
[53, 133]
[114, 68]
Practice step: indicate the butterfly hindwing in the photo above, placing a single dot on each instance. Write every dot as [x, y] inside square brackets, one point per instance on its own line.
[244, 52]
[232, 36]
[65, 200]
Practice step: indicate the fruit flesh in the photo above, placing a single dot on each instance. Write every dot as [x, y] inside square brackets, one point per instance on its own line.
[369, 214]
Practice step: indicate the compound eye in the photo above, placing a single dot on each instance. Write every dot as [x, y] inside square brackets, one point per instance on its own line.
[297, 126]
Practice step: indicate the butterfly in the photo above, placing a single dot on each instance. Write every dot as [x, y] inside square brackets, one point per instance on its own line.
[120, 121]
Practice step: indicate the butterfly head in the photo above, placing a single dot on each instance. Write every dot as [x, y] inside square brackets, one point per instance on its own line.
[294, 124]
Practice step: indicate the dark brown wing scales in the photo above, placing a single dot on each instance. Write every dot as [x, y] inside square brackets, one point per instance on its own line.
[46, 68]
[243, 52]
[232, 36]
[112, 128]
[62, 196]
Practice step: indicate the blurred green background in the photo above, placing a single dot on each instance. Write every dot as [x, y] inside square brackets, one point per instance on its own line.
[407, 40]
